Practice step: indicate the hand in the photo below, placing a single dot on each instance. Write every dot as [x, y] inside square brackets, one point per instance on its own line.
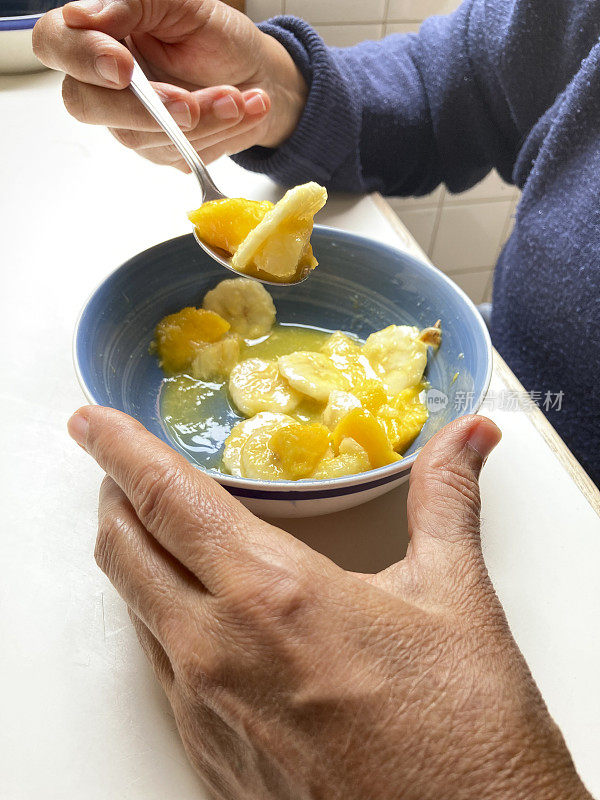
[291, 678]
[228, 85]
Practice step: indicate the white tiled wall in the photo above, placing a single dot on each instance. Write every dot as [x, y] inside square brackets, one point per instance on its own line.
[462, 234]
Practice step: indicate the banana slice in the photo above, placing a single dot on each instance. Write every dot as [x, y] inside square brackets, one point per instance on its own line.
[245, 304]
[258, 461]
[350, 446]
[398, 356]
[340, 344]
[338, 405]
[279, 242]
[347, 355]
[348, 463]
[313, 374]
[215, 361]
[240, 433]
[256, 385]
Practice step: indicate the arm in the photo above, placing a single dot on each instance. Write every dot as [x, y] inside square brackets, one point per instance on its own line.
[449, 104]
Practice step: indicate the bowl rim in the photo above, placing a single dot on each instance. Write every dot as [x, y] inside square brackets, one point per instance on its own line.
[347, 484]
[20, 23]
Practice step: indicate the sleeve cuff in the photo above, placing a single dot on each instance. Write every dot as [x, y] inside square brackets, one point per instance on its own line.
[325, 145]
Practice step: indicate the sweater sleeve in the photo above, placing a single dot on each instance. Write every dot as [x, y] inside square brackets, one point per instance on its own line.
[448, 104]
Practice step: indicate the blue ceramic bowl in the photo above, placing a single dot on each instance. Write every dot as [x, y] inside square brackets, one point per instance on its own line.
[17, 18]
[359, 286]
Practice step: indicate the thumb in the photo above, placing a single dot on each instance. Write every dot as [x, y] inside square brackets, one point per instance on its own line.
[117, 18]
[443, 498]
[444, 505]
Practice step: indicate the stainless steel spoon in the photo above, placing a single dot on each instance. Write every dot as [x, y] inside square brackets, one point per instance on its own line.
[144, 91]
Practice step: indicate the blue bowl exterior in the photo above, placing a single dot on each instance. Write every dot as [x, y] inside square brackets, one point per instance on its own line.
[359, 286]
[18, 15]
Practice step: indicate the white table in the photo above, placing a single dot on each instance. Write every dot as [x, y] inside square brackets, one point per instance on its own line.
[81, 713]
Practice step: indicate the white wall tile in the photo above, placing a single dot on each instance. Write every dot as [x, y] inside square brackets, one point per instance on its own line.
[402, 27]
[400, 203]
[474, 283]
[492, 186]
[348, 35]
[468, 236]
[419, 9]
[258, 10]
[420, 222]
[317, 11]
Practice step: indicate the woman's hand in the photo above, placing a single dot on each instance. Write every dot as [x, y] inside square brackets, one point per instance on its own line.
[227, 84]
[291, 678]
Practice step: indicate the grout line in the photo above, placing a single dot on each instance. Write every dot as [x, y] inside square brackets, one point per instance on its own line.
[283, 7]
[487, 295]
[451, 201]
[436, 224]
[383, 21]
[346, 23]
[468, 271]
[458, 200]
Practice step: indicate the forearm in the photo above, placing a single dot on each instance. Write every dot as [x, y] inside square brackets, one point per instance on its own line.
[400, 115]
[447, 105]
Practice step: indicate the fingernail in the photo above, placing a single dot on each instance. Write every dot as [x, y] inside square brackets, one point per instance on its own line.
[78, 428]
[483, 438]
[89, 6]
[181, 113]
[225, 108]
[106, 67]
[256, 105]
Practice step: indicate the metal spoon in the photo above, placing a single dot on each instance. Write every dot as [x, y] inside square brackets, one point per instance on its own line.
[144, 91]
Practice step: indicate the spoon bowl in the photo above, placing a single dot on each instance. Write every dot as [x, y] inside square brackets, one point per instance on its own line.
[144, 91]
[225, 261]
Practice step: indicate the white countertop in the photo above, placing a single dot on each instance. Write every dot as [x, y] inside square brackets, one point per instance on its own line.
[82, 715]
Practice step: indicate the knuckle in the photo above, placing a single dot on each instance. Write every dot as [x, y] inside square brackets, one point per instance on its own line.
[274, 595]
[71, 95]
[109, 529]
[128, 137]
[154, 490]
[39, 37]
[44, 31]
[192, 668]
[455, 483]
[171, 154]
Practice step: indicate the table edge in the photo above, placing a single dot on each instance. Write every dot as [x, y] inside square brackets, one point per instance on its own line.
[560, 450]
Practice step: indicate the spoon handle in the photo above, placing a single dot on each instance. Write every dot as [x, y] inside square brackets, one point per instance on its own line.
[144, 91]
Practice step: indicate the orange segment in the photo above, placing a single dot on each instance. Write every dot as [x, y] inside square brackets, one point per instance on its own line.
[363, 427]
[226, 223]
[371, 395]
[179, 336]
[299, 449]
[412, 414]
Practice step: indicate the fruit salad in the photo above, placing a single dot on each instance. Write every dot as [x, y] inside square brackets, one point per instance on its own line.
[269, 241]
[302, 403]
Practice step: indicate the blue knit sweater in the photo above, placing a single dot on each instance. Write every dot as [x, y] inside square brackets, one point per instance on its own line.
[510, 84]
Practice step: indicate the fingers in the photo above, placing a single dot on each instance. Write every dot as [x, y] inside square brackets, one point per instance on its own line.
[200, 113]
[88, 55]
[157, 147]
[190, 515]
[154, 652]
[155, 586]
